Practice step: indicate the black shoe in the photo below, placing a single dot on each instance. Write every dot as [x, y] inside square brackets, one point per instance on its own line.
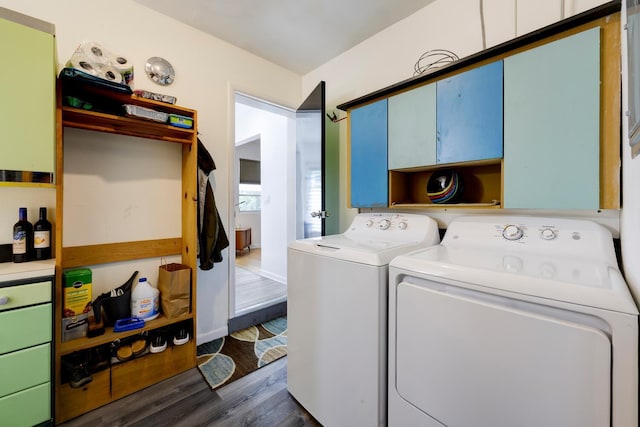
[75, 368]
[99, 357]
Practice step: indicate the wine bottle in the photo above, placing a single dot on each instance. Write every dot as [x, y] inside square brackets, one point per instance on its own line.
[22, 237]
[42, 237]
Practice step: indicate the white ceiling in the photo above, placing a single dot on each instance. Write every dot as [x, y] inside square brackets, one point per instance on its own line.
[299, 35]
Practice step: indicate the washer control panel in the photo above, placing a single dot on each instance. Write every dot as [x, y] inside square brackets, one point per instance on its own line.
[393, 227]
[386, 224]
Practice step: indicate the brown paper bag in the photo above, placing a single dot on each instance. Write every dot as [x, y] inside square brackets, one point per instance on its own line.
[174, 284]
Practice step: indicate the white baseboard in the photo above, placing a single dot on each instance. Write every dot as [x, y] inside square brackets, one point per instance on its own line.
[272, 276]
[212, 335]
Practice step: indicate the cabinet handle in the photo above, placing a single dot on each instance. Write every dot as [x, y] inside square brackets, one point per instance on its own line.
[4, 299]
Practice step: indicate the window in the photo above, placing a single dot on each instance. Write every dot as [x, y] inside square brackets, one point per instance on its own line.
[249, 197]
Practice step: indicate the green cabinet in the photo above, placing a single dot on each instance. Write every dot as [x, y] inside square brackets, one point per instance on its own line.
[26, 336]
[27, 98]
[552, 125]
[412, 128]
[368, 156]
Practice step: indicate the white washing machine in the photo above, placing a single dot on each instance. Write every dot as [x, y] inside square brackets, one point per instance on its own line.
[513, 321]
[337, 316]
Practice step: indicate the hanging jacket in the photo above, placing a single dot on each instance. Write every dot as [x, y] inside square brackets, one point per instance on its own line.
[212, 238]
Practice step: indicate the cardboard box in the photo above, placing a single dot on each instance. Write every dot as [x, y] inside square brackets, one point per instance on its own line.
[75, 327]
[77, 292]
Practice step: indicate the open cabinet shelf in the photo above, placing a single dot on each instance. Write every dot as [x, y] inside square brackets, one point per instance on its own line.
[69, 347]
[102, 122]
[482, 183]
[120, 379]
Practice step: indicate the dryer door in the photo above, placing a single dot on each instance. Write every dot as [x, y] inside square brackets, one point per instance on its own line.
[471, 359]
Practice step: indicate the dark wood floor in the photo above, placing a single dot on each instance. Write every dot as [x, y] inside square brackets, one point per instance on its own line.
[258, 399]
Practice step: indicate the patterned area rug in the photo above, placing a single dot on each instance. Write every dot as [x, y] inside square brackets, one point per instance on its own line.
[226, 359]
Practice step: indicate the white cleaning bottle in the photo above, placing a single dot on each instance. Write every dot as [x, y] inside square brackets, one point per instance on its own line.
[145, 300]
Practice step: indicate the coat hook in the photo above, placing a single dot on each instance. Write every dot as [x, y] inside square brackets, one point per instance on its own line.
[334, 118]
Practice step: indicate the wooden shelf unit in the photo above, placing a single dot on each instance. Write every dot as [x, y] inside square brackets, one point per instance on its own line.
[127, 377]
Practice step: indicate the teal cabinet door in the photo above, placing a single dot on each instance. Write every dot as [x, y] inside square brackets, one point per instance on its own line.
[27, 109]
[552, 125]
[369, 176]
[469, 122]
[412, 128]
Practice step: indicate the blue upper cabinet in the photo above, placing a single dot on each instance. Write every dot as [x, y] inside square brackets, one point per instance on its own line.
[469, 115]
[369, 177]
[412, 128]
[552, 125]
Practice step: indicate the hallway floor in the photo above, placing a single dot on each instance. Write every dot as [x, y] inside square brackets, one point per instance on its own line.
[254, 291]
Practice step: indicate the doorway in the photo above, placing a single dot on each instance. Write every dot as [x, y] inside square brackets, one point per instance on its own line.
[263, 163]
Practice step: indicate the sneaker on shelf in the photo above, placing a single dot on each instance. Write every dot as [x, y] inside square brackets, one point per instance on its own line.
[158, 343]
[181, 336]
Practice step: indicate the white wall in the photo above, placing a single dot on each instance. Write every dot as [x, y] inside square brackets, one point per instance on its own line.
[207, 72]
[389, 56]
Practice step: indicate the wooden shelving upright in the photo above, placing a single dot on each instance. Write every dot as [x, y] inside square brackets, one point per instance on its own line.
[128, 377]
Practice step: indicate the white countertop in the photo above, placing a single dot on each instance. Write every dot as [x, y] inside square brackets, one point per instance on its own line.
[10, 271]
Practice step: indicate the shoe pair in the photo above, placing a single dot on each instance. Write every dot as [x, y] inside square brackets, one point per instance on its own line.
[127, 349]
[159, 338]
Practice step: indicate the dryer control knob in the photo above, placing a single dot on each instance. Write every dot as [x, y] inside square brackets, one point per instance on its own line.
[548, 234]
[512, 264]
[384, 224]
[402, 225]
[369, 223]
[512, 232]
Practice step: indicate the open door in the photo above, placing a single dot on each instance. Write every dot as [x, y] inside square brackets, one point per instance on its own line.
[310, 165]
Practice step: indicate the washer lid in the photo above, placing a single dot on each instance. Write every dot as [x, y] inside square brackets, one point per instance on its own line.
[569, 280]
[366, 251]
[375, 238]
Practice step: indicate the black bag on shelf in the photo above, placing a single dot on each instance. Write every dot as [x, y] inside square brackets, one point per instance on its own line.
[116, 303]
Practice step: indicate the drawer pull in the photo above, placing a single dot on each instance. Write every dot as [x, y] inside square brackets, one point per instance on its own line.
[4, 299]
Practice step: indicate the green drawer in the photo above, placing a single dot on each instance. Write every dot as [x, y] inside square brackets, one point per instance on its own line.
[25, 327]
[26, 408]
[26, 368]
[23, 295]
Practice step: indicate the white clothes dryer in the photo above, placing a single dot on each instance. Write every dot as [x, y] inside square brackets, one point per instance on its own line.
[337, 316]
[513, 321]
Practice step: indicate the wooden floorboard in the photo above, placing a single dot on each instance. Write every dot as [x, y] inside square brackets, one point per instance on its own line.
[255, 400]
[254, 291]
[251, 260]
